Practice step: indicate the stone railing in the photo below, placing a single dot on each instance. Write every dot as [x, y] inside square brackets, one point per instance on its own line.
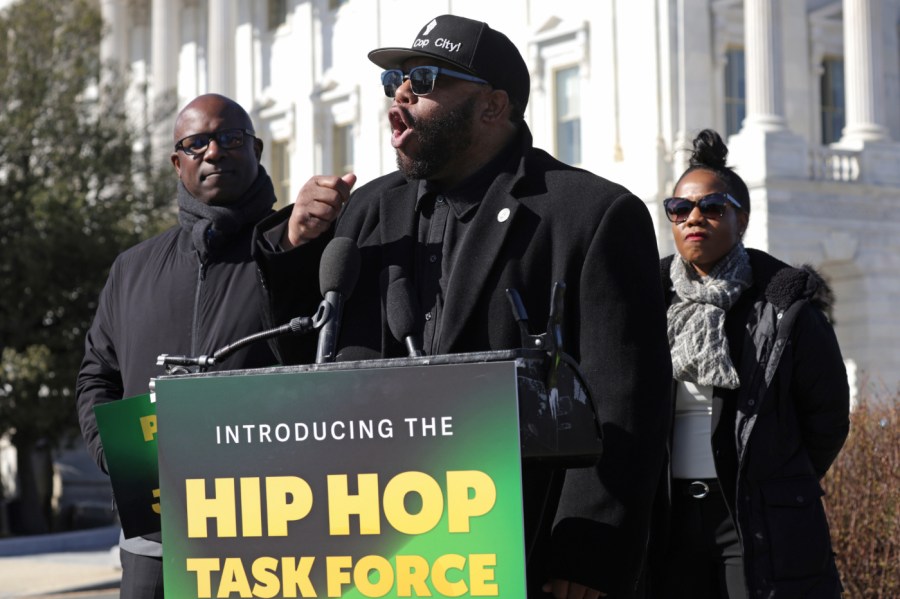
[831, 164]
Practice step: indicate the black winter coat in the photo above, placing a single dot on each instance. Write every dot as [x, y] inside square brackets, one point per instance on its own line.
[563, 224]
[160, 299]
[775, 437]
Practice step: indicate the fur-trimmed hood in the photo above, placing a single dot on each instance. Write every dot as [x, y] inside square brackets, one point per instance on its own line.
[785, 285]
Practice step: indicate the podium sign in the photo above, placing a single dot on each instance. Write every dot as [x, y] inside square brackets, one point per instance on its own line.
[128, 433]
[383, 482]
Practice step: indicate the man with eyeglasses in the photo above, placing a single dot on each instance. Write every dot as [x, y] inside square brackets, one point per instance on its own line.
[475, 209]
[190, 290]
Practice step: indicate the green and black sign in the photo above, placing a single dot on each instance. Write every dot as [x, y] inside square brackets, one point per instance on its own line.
[373, 482]
[128, 433]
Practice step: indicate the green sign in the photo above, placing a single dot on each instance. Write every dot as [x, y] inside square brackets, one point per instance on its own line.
[128, 434]
[381, 482]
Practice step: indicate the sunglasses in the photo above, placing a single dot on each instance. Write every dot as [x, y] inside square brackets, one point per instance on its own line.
[421, 79]
[711, 206]
[227, 139]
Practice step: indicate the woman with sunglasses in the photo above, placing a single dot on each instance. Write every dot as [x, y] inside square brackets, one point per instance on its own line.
[761, 404]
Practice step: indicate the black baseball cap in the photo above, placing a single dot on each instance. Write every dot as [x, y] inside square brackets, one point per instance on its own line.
[472, 47]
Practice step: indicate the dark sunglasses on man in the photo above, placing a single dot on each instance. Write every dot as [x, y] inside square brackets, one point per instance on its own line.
[226, 139]
[421, 79]
[711, 206]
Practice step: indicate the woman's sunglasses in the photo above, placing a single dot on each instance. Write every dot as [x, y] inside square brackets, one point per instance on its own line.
[421, 79]
[711, 206]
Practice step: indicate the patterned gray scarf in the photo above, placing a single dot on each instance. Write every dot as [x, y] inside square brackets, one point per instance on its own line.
[697, 318]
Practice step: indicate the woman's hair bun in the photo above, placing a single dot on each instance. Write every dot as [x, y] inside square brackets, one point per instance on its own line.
[709, 150]
[709, 154]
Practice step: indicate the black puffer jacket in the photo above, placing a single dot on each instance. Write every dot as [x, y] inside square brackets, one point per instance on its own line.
[775, 437]
[160, 299]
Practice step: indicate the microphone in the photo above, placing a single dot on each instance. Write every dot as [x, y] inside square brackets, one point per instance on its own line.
[338, 272]
[401, 306]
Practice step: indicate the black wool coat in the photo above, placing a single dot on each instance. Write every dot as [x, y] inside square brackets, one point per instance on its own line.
[563, 224]
[777, 435]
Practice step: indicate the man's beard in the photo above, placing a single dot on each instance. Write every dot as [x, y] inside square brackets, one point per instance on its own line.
[441, 138]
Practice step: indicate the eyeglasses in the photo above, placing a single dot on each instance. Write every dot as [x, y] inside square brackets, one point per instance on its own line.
[227, 139]
[711, 206]
[421, 79]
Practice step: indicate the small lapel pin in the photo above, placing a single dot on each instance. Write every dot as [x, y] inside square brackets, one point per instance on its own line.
[503, 215]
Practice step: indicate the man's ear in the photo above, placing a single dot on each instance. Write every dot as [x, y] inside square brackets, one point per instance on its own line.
[497, 106]
[258, 148]
[176, 162]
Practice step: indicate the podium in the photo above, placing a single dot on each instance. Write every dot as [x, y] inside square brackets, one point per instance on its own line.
[380, 478]
[558, 420]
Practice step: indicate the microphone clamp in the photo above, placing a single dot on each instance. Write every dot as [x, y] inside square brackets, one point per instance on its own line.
[323, 314]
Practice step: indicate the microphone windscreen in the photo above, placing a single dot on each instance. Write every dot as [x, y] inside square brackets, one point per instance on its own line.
[401, 317]
[339, 267]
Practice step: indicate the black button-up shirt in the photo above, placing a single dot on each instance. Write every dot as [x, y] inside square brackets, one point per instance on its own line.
[444, 219]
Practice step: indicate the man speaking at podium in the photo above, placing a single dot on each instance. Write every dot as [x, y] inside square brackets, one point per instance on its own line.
[472, 210]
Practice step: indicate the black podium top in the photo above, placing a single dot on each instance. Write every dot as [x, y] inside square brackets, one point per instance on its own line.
[557, 418]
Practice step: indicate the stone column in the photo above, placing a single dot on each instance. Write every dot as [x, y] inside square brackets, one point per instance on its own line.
[765, 77]
[191, 71]
[863, 72]
[220, 46]
[765, 149]
[694, 105]
[114, 46]
[165, 42]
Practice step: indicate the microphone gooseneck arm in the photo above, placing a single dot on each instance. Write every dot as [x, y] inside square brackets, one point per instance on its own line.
[300, 324]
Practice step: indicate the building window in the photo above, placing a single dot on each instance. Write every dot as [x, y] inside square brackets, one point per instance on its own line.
[832, 87]
[568, 115]
[281, 172]
[735, 90]
[277, 13]
[342, 149]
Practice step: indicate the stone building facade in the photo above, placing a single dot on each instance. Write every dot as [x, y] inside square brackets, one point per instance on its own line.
[808, 92]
